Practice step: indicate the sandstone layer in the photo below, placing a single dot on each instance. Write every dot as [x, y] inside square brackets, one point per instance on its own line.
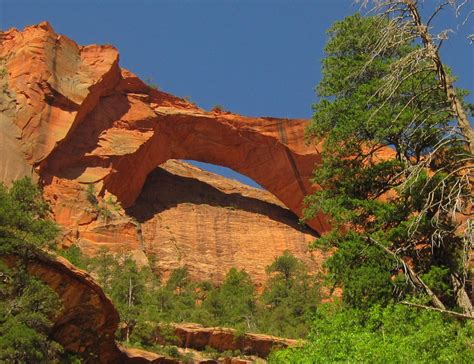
[222, 339]
[87, 323]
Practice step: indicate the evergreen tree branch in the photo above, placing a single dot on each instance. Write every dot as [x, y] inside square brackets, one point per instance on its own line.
[411, 275]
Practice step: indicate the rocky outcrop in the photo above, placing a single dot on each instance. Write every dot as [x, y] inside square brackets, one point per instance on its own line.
[86, 325]
[197, 337]
[52, 84]
[73, 114]
[139, 356]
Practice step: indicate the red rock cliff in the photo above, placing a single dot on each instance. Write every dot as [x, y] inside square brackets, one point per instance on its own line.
[70, 112]
[70, 116]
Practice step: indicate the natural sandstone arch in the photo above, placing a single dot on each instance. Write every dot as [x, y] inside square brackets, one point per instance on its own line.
[70, 116]
[76, 115]
[268, 150]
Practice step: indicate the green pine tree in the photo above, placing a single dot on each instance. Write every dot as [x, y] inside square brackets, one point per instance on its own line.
[392, 215]
[233, 303]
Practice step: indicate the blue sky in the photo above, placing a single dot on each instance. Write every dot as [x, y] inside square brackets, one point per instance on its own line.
[256, 58]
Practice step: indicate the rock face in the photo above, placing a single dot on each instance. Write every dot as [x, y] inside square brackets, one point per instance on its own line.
[210, 224]
[52, 84]
[221, 339]
[71, 117]
[74, 114]
[188, 217]
[88, 321]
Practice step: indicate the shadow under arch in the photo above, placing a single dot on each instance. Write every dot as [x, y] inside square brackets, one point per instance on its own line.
[166, 188]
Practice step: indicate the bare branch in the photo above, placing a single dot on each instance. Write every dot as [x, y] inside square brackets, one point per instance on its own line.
[446, 312]
[414, 278]
[438, 9]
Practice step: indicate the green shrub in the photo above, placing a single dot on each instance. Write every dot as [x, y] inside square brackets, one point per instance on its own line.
[91, 194]
[394, 334]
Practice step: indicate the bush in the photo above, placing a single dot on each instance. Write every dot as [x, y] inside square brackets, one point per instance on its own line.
[395, 334]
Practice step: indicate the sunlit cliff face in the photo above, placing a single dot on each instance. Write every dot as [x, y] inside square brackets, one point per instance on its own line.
[76, 115]
[80, 124]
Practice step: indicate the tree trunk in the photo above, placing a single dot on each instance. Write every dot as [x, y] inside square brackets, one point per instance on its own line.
[444, 80]
[462, 297]
[127, 334]
[130, 290]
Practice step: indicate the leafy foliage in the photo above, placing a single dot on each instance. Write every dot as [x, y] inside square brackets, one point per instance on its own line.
[391, 334]
[234, 303]
[143, 301]
[24, 226]
[290, 297]
[26, 313]
[388, 176]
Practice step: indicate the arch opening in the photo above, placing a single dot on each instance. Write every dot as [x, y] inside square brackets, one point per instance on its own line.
[179, 182]
[225, 172]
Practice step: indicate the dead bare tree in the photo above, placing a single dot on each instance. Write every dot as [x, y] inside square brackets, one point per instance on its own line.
[405, 24]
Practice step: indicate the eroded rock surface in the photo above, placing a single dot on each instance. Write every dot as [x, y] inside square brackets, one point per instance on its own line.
[76, 115]
[73, 118]
[88, 320]
[210, 224]
[222, 339]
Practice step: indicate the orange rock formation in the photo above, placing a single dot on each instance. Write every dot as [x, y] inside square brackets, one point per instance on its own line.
[88, 320]
[71, 117]
[74, 114]
[222, 339]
